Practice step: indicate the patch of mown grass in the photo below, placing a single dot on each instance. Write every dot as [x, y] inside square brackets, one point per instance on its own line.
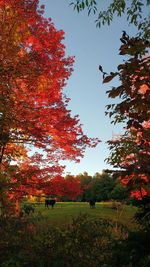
[63, 212]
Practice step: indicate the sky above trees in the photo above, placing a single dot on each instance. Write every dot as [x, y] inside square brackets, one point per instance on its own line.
[91, 47]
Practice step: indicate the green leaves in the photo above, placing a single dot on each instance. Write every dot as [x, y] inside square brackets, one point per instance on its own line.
[80, 5]
[134, 10]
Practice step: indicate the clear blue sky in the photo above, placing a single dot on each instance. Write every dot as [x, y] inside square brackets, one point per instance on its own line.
[91, 47]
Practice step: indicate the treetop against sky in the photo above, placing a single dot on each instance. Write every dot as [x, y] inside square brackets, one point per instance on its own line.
[34, 109]
[91, 47]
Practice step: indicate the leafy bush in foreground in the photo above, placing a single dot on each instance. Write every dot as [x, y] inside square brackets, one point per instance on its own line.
[85, 242]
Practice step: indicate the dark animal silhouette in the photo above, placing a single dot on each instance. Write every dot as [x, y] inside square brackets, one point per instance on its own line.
[92, 203]
[50, 202]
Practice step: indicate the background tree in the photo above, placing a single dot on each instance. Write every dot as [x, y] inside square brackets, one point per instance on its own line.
[66, 188]
[102, 186]
[119, 192]
[85, 181]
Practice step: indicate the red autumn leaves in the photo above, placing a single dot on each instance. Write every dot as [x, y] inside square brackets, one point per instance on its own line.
[131, 152]
[68, 187]
[33, 107]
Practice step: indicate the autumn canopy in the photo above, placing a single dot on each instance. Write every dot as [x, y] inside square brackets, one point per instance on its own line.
[33, 107]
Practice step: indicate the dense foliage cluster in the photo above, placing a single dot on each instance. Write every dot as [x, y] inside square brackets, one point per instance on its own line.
[130, 152]
[101, 187]
[83, 187]
[83, 242]
[33, 107]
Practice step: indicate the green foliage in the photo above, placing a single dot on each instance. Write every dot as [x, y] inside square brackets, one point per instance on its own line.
[133, 251]
[80, 5]
[133, 10]
[84, 242]
[101, 187]
[78, 244]
[85, 182]
[142, 216]
[119, 192]
[27, 208]
[85, 238]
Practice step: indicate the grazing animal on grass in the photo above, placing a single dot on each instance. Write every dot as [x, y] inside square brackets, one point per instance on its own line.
[50, 202]
[92, 203]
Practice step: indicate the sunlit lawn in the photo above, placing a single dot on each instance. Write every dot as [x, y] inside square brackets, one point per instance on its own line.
[63, 212]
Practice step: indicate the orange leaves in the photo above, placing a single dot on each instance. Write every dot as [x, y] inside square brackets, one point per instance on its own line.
[16, 152]
[43, 83]
[144, 88]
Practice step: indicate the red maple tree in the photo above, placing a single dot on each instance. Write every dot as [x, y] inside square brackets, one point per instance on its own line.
[68, 187]
[33, 107]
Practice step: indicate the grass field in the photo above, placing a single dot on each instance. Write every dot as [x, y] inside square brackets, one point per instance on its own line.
[63, 213]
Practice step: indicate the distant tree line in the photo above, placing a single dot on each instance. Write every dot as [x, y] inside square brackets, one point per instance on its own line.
[100, 186]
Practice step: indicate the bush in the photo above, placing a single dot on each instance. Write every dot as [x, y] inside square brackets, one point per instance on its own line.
[132, 252]
[85, 242]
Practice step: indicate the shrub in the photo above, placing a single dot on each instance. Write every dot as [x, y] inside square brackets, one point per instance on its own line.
[85, 242]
